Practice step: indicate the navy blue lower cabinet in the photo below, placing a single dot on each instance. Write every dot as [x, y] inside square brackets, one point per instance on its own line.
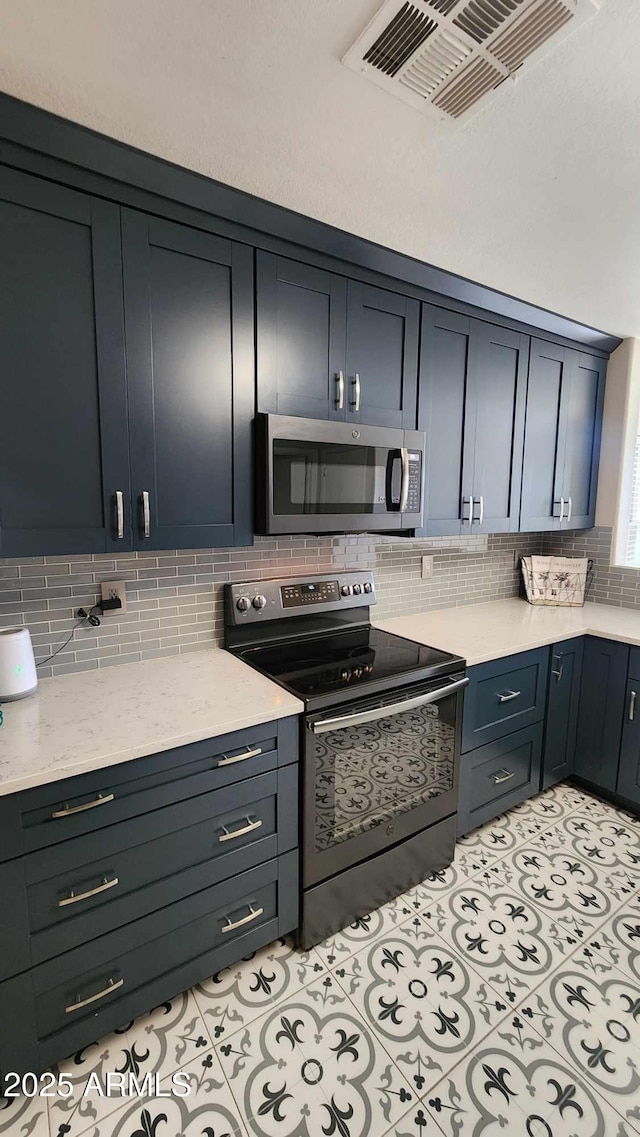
[563, 700]
[499, 775]
[601, 711]
[188, 862]
[504, 695]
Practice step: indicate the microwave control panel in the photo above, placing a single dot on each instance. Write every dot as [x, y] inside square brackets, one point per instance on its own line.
[415, 481]
[275, 599]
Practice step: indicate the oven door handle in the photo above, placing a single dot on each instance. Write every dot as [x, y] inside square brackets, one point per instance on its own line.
[324, 725]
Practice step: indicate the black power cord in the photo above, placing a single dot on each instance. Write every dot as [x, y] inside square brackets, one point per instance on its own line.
[84, 617]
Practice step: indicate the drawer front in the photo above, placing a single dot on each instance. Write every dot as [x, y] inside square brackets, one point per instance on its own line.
[504, 695]
[76, 986]
[634, 664]
[498, 776]
[89, 802]
[119, 875]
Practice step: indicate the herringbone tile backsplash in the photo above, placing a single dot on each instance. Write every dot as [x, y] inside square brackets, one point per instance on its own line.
[174, 599]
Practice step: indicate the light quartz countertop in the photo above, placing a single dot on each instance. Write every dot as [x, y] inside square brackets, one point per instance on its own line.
[76, 723]
[479, 632]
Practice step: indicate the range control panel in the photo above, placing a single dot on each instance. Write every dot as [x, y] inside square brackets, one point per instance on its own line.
[275, 599]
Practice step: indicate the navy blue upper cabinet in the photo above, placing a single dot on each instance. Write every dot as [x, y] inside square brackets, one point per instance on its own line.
[189, 343]
[334, 349]
[63, 419]
[562, 438]
[382, 357]
[471, 404]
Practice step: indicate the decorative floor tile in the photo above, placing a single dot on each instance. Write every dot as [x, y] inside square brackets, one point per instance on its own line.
[515, 1083]
[23, 1117]
[507, 939]
[594, 1021]
[559, 882]
[422, 1000]
[168, 1037]
[551, 806]
[314, 1068]
[619, 940]
[85, 1108]
[236, 996]
[497, 838]
[603, 840]
[208, 1108]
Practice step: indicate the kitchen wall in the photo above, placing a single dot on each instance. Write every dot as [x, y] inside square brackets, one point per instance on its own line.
[609, 585]
[174, 599]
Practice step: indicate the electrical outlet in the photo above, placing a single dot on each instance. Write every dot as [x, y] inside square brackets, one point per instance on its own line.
[110, 589]
[427, 567]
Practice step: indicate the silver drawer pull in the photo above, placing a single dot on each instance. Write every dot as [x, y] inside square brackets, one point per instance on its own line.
[146, 514]
[340, 396]
[632, 705]
[558, 672]
[226, 761]
[505, 776]
[230, 835]
[68, 810]
[509, 695]
[108, 990]
[76, 897]
[119, 515]
[254, 913]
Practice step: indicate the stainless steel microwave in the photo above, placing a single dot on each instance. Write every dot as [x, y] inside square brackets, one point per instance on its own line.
[335, 477]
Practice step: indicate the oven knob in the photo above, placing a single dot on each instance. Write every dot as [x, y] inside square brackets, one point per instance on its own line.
[345, 676]
[346, 590]
[357, 673]
[357, 589]
[242, 603]
[368, 586]
[259, 602]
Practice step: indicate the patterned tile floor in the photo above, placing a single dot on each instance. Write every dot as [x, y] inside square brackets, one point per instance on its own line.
[501, 995]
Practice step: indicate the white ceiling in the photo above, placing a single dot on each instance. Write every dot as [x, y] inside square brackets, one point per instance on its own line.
[538, 196]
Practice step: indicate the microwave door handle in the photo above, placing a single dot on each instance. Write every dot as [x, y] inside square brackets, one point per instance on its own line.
[404, 491]
[342, 721]
[392, 458]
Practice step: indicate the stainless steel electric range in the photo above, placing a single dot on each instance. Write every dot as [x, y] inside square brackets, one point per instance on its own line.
[380, 739]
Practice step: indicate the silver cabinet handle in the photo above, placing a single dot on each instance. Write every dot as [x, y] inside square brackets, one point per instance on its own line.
[340, 398]
[254, 913]
[146, 514]
[561, 509]
[356, 392]
[76, 897]
[323, 725]
[632, 706]
[570, 510]
[558, 673]
[108, 990]
[226, 761]
[69, 810]
[508, 696]
[119, 515]
[230, 835]
[469, 520]
[505, 776]
[481, 517]
[404, 492]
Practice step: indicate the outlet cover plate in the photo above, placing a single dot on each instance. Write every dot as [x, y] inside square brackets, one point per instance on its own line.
[427, 567]
[110, 589]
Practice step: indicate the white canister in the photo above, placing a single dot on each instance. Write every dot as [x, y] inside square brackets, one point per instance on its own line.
[18, 675]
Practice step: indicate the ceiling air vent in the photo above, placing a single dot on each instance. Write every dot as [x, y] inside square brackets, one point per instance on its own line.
[448, 57]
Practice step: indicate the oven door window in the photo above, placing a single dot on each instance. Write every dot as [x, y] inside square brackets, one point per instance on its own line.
[367, 775]
[325, 478]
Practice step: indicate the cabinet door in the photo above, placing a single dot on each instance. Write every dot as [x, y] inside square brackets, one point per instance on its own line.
[301, 339]
[63, 424]
[382, 357]
[629, 773]
[600, 715]
[189, 318]
[495, 411]
[545, 438]
[562, 711]
[585, 397]
[444, 357]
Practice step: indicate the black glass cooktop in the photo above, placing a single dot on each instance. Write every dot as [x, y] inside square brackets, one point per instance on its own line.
[326, 664]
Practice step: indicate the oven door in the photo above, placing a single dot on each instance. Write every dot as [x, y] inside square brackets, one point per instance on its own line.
[332, 477]
[380, 770]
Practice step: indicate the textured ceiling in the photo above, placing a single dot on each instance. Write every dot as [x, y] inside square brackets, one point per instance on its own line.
[538, 196]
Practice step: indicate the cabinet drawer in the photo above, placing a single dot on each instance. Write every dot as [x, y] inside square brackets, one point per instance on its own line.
[87, 887]
[497, 776]
[634, 664]
[78, 985]
[94, 801]
[504, 695]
